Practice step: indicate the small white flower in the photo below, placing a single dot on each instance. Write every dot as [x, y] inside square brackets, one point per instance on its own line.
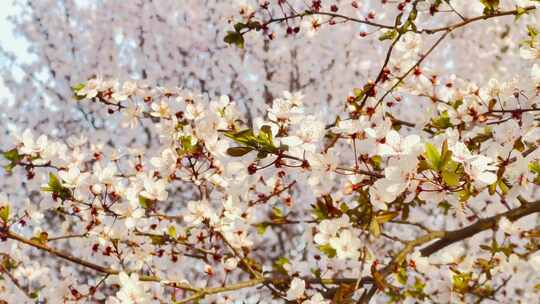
[105, 175]
[160, 109]
[395, 145]
[509, 227]
[198, 211]
[131, 291]
[31, 146]
[346, 245]
[154, 189]
[479, 169]
[297, 289]
[327, 229]
[91, 88]
[316, 299]
[535, 73]
[529, 53]
[285, 109]
[72, 178]
[132, 114]
[460, 152]
[534, 260]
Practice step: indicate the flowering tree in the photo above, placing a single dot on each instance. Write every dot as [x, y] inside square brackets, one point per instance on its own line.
[315, 152]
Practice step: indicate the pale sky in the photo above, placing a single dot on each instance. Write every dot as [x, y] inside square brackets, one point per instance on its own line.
[8, 41]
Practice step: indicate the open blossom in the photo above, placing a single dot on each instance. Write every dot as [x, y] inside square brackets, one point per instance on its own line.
[346, 244]
[198, 211]
[307, 137]
[31, 145]
[72, 178]
[160, 109]
[271, 182]
[480, 170]
[131, 290]
[460, 152]
[296, 290]
[510, 227]
[409, 45]
[316, 299]
[327, 229]
[237, 237]
[91, 88]
[105, 175]
[396, 145]
[535, 261]
[535, 73]
[311, 26]
[132, 114]
[288, 109]
[382, 193]
[154, 189]
[128, 88]
[166, 162]
[358, 128]
[530, 52]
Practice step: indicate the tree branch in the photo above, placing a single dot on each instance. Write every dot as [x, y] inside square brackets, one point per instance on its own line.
[452, 237]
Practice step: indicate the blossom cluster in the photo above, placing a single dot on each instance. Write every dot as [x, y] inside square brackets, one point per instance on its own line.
[421, 186]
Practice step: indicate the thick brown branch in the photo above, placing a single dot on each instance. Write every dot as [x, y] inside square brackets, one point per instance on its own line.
[452, 237]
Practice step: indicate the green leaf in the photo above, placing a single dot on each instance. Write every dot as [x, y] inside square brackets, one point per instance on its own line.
[239, 26]
[261, 228]
[386, 216]
[76, 90]
[535, 167]
[504, 188]
[375, 227]
[277, 213]
[41, 238]
[450, 178]
[244, 137]
[327, 250]
[532, 31]
[464, 195]
[157, 239]
[388, 35]
[55, 186]
[4, 213]
[279, 265]
[186, 141]
[171, 232]
[282, 261]
[446, 155]
[442, 122]
[433, 157]
[402, 275]
[520, 11]
[238, 151]
[12, 155]
[376, 162]
[234, 38]
[490, 6]
[144, 202]
[265, 135]
[358, 92]
[460, 282]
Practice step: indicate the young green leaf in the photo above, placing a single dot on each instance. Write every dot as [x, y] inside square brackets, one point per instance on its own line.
[433, 157]
[234, 38]
[238, 151]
